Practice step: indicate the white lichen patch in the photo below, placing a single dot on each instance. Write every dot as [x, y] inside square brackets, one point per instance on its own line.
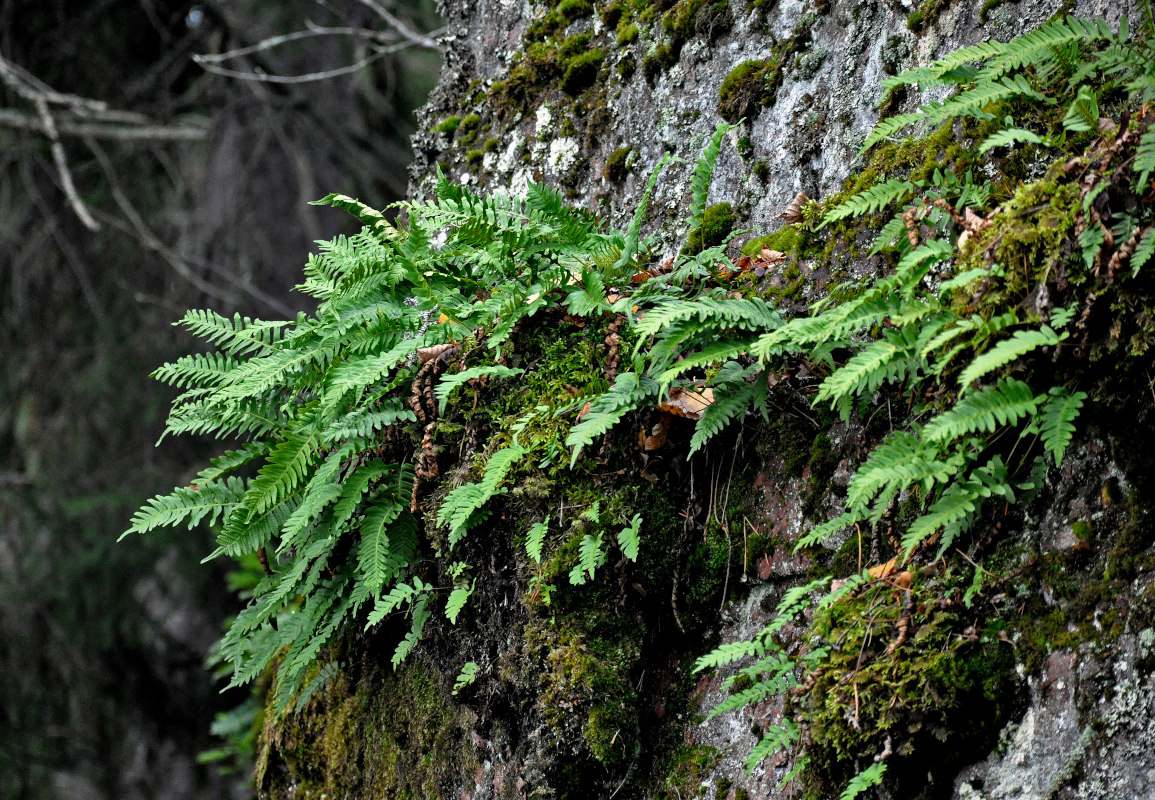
[563, 153]
[508, 158]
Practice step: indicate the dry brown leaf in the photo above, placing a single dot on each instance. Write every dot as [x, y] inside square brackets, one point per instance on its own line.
[882, 570]
[688, 403]
[773, 256]
[793, 212]
[425, 354]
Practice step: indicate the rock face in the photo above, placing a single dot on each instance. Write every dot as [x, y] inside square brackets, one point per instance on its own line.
[569, 708]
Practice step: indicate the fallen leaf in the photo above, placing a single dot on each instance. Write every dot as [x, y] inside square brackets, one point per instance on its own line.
[425, 354]
[773, 256]
[882, 570]
[793, 212]
[688, 403]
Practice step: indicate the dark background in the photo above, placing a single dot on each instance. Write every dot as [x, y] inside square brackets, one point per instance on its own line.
[103, 688]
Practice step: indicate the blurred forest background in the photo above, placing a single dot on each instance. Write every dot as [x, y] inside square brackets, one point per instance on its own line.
[139, 178]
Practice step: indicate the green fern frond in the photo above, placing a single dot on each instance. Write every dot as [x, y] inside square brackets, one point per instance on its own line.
[731, 400]
[700, 180]
[462, 502]
[189, 506]
[629, 538]
[871, 776]
[238, 336]
[986, 410]
[448, 383]
[456, 602]
[1144, 163]
[535, 539]
[285, 467]
[1008, 137]
[1019, 344]
[872, 200]
[590, 557]
[629, 393]
[1057, 422]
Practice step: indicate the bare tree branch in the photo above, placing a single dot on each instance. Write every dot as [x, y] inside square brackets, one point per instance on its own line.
[324, 75]
[62, 165]
[10, 118]
[420, 39]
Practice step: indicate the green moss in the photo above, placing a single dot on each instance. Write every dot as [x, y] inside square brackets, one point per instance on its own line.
[448, 126]
[658, 60]
[717, 223]
[581, 71]
[474, 158]
[627, 34]
[612, 14]
[790, 239]
[926, 15]
[761, 170]
[572, 10]
[938, 697]
[687, 767]
[749, 86]
[616, 169]
[467, 130]
[399, 738]
[491, 145]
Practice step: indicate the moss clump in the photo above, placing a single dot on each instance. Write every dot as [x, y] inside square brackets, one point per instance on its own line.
[657, 61]
[474, 158]
[717, 223]
[616, 169]
[926, 14]
[936, 696]
[749, 86]
[572, 10]
[790, 239]
[491, 145]
[761, 170]
[627, 33]
[448, 126]
[581, 71]
[467, 129]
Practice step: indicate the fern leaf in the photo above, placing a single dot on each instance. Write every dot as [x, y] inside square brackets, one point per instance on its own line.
[535, 539]
[1144, 161]
[629, 393]
[456, 602]
[283, 471]
[1083, 114]
[462, 502]
[871, 776]
[1008, 137]
[448, 383]
[1019, 344]
[1057, 423]
[731, 400]
[1003, 404]
[774, 739]
[353, 488]
[374, 554]
[634, 232]
[629, 539]
[871, 201]
[420, 616]
[700, 181]
[590, 557]
[188, 505]
[1143, 251]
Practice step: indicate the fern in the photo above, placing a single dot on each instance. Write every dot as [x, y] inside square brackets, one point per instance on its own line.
[461, 504]
[590, 557]
[871, 776]
[456, 602]
[189, 505]
[1056, 425]
[1008, 137]
[447, 384]
[1019, 344]
[629, 538]
[700, 181]
[983, 411]
[872, 200]
[535, 539]
[629, 393]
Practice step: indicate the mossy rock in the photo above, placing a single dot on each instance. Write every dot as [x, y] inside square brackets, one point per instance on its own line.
[749, 86]
[717, 223]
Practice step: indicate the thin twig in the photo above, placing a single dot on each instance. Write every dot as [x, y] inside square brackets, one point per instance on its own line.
[309, 77]
[420, 39]
[10, 118]
[61, 162]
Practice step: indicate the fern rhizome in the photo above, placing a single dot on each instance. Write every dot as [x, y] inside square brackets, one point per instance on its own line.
[974, 327]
